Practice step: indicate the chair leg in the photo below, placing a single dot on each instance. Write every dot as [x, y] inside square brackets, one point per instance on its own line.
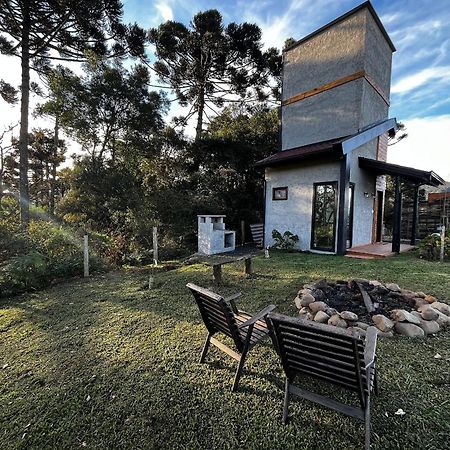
[367, 423]
[286, 402]
[205, 348]
[375, 381]
[239, 371]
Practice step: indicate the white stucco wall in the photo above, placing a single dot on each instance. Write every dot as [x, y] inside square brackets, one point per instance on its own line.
[363, 206]
[295, 213]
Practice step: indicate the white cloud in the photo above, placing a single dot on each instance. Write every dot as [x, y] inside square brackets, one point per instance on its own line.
[164, 10]
[426, 147]
[410, 82]
[298, 19]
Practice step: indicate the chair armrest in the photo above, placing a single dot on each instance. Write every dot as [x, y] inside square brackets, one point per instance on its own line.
[258, 316]
[231, 300]
[370, 347]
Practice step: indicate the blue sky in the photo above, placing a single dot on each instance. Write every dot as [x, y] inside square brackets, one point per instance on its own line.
[420, 30]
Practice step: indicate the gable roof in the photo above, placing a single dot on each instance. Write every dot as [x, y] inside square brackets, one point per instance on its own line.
[328, 148]
[332, 147]
[367, 5]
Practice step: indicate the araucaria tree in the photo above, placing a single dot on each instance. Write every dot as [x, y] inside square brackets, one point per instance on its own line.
[39, 31]
[210, 64]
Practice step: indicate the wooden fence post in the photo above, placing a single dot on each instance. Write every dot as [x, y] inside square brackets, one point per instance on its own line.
[155, 245]
[242, 232]
[442, 243]
[86, 255]
[248, 266]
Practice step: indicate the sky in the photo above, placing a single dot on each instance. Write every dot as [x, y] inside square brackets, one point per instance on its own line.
[419, 29]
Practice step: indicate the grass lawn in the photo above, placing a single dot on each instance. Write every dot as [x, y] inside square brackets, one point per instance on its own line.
[106, 363]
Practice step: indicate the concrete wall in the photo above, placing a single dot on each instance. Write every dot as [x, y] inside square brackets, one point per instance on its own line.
[334, 53]
[295, 213]
[352, 45]
[364, 183]
[328, 115]
[378, 55]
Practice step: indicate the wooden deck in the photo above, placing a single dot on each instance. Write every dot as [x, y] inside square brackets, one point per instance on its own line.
[377, 250]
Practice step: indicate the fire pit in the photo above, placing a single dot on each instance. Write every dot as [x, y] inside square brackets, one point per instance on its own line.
[359, 303]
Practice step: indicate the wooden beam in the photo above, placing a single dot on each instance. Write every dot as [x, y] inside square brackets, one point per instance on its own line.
[343, 205]
[348, 410]
[217, 274]
[377, 88]
[396, 231]
[335, 83]
[415, 216]
[225, 349]
[248, 266]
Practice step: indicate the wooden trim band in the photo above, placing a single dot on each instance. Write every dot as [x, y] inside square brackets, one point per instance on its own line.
[378, 90]
[335, 83]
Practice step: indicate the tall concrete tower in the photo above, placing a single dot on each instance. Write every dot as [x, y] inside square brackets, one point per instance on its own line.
[336, 81]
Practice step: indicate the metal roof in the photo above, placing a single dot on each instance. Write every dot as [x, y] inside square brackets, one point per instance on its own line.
[415, 175]
[328, 148]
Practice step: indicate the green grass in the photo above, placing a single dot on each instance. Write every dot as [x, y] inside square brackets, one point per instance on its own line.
[105, 363]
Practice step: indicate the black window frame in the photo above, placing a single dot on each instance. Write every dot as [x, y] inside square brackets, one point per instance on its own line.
[285, 188]
[324, 183]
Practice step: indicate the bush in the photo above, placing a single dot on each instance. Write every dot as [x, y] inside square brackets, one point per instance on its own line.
[23, 273]
[285, 241]
[45, 252]
[430, 247]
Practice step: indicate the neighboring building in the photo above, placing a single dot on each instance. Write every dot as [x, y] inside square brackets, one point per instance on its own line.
[327, 182]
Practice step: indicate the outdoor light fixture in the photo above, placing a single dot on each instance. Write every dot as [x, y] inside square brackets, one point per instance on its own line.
[366, 194]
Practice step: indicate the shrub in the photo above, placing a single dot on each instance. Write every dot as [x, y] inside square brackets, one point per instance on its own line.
[285, 241]
[430, 247]
[45, 252]
[23, 273]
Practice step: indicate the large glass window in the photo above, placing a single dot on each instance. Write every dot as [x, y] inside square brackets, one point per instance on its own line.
[324, 216]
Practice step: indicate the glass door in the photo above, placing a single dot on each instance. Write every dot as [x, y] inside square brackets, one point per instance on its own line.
[323, 232]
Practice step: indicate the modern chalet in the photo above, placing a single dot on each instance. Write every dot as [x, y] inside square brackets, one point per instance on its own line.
[327, 182]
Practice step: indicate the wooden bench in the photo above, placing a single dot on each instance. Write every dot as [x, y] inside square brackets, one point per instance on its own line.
[220, 315]
[329, 354]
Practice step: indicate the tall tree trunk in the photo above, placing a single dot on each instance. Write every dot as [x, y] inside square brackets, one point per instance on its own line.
[24, 107]
[200, 109]
[55, 156]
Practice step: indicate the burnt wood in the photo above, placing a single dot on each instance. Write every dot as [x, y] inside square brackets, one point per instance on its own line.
[366, 298]
[220, 315]
[329, 354]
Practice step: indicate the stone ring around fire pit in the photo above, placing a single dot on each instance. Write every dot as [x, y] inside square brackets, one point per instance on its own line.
[359, 303]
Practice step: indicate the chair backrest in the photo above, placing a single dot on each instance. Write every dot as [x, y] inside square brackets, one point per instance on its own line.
[216, 313]
[321, 351]
[257, 230]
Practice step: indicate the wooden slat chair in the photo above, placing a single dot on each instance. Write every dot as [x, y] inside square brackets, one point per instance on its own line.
[257, 230]
[330, 354]
[221, 315]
